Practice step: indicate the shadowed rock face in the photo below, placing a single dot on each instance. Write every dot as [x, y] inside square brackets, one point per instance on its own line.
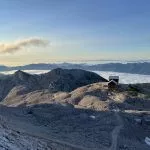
[28, 81]
[68, 80]
[59, 79]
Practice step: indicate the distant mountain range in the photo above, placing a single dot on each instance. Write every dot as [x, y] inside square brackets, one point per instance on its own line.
[136, 68]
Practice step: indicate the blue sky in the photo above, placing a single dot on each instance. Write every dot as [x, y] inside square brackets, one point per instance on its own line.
[75, 29]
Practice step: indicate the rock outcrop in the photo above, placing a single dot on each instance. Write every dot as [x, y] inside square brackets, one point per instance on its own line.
[68, 80]
[56, 80]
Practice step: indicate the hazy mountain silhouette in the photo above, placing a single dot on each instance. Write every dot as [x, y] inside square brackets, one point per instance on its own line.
[136, 68]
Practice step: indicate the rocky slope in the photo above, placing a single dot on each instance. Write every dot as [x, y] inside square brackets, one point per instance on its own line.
[60, 79]
[93, 96]
[90, 117]
[68, 80]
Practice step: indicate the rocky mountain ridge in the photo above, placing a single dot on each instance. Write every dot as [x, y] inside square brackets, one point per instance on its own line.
[90, 117]
[61, 79]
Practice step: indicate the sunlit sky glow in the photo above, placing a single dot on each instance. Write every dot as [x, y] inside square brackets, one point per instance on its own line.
[74, 30]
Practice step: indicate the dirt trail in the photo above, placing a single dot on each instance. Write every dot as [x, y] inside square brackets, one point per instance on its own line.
[116, 131]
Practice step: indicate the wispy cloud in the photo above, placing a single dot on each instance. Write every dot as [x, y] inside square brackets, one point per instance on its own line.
[21, 44]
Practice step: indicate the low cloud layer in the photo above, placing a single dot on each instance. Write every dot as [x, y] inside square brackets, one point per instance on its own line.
[19, 45]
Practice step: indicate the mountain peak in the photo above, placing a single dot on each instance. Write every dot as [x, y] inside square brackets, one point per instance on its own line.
[21, 75]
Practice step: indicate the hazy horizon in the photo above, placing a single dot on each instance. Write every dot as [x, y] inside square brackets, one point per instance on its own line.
[89, 62]
[36, 31]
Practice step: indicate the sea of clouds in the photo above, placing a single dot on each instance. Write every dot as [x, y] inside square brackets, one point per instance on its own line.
[125, 78]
